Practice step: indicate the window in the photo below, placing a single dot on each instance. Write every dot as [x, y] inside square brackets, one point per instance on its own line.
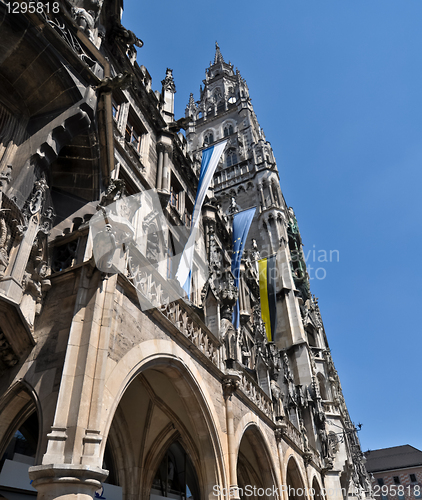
[396, 479]
[170, 255]
[176, 476]
[231, 157]
[380, 482]
[116, 108]
[133, 134]
[413, 478]
[174, 199]
[228, 130]
[187, 219]
[208, 138]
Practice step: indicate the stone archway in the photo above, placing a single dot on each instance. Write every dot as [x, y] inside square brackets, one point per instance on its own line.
[294, 482]
[316, 490]
[20, 430]
[162, 410]
[255, 472]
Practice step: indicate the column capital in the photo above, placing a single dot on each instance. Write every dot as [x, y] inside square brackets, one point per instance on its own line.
[66, 480]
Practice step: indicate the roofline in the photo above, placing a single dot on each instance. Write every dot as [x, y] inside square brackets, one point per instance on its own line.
[396, 469]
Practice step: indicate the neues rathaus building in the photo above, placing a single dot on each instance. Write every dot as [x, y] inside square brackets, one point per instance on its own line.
[113, 384]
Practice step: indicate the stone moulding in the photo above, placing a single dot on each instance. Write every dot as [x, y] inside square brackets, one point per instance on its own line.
[67, 478]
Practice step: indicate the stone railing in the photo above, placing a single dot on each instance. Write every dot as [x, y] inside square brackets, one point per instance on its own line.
[315, 457]
[179, 314]
[293, 434]
[255, 393]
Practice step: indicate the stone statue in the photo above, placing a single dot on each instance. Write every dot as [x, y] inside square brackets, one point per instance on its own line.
[85, 19]
[233, 207]
[277, 398]
[228, 336]
[333, 444]
[322, 433]
[304, 436]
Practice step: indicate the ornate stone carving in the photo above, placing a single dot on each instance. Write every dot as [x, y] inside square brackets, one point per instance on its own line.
[168, 82]
[230, 386]
[7, 355]
[6, 176]
[120, 81]
[5, 242]
[120, 34]
[277, 397]
[333, 444]
[67, 35]
[85, 19]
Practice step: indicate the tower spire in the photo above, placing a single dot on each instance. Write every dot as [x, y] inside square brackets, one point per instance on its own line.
[218, 56]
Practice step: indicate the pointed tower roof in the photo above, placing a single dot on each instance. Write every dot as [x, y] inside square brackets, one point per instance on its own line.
[218, 56]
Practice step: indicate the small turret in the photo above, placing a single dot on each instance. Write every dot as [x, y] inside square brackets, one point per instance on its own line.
[168, 91]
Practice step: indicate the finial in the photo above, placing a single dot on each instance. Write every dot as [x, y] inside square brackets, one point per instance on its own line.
[218, 56]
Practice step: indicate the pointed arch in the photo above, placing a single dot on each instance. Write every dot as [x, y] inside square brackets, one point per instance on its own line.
[322, 386]
[16, 406]
[295, 482]
[255, 464]
[317, 490]
[158, 379]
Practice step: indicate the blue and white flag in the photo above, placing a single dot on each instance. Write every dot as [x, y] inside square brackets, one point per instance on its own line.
[210, 158]
[241, 223]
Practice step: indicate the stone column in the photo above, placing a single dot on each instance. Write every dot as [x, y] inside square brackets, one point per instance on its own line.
[230, 384]
[160, 150]
[279, 432]
[333, 485]
[66, 481]
[76, 434]
[261, 191]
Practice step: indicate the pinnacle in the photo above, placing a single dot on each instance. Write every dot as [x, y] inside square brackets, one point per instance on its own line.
[218, 56]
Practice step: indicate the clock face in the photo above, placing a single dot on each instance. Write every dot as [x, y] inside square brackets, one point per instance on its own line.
[232, 99]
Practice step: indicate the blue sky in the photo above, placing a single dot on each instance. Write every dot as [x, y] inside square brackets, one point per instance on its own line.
[337, 88]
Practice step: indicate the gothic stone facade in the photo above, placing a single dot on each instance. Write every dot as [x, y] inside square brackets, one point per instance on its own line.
[170, 400]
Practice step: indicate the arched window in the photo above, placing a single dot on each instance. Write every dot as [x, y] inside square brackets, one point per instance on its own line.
[322, 386]
[208, 138]
[176, 476]
[228, 130]
[231, 157]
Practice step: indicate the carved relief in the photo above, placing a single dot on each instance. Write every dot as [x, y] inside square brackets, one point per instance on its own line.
[7, 355]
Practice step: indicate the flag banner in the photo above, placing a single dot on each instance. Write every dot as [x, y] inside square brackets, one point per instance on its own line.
[241, 223]
[210, 158]
[267, 290]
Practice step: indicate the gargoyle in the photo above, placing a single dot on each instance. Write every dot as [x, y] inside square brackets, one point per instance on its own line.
[120, 81]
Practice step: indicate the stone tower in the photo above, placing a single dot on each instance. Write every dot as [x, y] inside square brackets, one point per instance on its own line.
[246, 177]
[248, 171]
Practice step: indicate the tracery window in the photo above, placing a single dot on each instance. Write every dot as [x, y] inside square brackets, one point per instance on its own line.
[133, 133]
[228, 130]
[176, 476]
[231, 157]
[208, 138]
